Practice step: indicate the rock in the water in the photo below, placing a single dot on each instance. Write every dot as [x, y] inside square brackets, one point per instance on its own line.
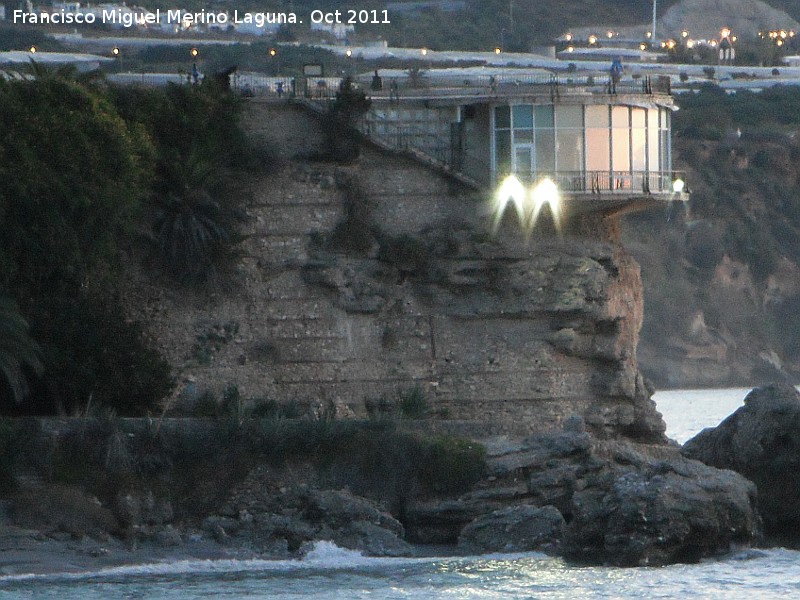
[514, 529]
[668, 512]
[371, 540]
[761, 440]
[275, 519]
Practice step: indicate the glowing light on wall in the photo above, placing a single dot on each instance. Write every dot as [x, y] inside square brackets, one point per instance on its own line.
[545, 193]
[511, 191]
[528, 204]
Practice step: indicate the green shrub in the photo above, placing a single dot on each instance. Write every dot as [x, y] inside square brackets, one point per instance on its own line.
[198, 464]
[355, 233]
[343, 140]
[413, 403]
[449, 464]
[406, 253]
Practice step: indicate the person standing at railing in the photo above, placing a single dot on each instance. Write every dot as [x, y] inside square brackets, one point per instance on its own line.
[377, 82]
[616, 74]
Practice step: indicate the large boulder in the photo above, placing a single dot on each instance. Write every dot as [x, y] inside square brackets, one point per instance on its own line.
[626, 504]
[276, 520]
[514, 529]
[667, 512]
[761, 440]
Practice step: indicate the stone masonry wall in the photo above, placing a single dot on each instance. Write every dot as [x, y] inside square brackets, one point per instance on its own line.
[490, 329]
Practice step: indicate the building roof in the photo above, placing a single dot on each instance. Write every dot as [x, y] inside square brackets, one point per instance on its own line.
[24, 57]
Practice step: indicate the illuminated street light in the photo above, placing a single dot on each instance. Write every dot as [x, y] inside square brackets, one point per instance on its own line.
[33, 49]
[570, 48]
[678, 186]
[273, 52]
[725, 32]
[424, 52]
[348, 53]
[194, 52]
[648, 35]
[497, 50]
[609, 34]
[115, 51]
[592, 40]
[568, 37]
[684, 34]
[642, 46]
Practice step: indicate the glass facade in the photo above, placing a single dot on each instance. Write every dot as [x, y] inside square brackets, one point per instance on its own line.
[584, 147]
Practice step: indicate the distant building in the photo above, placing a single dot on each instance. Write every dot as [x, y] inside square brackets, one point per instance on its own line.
[252, 28]
[82, 62]
[609, 54]
[419, 6]
[339, 30]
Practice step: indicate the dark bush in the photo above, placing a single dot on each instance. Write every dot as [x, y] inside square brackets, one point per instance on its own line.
[704, 248]
[406, 253]
[64, 510]
[343, 140]
[413, 404]
[93, 357]
[355, 233]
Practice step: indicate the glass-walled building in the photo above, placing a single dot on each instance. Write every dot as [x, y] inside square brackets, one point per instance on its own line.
[584, 147]
[575, 132]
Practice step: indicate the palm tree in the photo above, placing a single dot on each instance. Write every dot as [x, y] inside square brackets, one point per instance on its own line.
[17, 349]
[191, 228]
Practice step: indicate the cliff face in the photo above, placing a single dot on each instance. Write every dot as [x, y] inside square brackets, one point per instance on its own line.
[376, 288]
[722, 274]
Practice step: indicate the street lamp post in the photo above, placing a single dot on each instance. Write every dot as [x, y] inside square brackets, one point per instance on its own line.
[653, 29]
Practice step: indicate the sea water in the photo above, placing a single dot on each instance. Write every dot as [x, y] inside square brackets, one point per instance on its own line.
[331, 573]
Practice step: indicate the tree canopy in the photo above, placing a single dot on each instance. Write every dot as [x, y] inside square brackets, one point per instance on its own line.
[73, 178]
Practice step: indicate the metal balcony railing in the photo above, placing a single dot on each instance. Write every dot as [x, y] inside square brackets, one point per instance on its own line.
[605, 182]
[432, 86]
[515, 84]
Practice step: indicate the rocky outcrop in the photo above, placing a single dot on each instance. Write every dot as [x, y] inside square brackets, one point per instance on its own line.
[279, 520]
[624, 505]
[514, 529]
[661, 513]
[761, 440]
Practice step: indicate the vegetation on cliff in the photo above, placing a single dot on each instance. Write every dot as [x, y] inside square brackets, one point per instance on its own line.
[721, 274]
[92, 174]
[194, 465]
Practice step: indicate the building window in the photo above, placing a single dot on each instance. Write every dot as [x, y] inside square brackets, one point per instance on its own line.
[569, 139]
[605, 146]
[621, 145]
[598, 140]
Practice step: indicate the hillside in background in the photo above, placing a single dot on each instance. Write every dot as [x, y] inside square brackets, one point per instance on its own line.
[721, 274]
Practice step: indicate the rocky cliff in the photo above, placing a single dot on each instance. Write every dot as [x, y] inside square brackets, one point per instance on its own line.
[366, 287]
